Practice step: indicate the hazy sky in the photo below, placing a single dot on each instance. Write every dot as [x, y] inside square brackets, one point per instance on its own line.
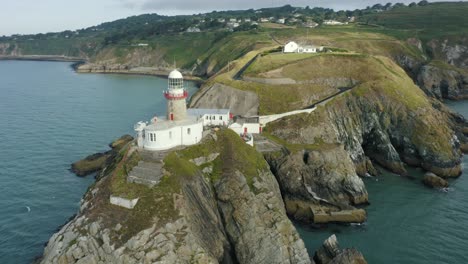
[41, 16]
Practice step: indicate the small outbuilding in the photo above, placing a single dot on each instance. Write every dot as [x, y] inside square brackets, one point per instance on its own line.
[293, 47]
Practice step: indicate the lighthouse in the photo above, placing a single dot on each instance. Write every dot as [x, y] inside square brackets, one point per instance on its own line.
[176, 96]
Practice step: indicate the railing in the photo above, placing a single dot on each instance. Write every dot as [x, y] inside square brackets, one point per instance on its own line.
[171, 96]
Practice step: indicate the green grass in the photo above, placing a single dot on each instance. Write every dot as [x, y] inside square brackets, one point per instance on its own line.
[274, 61]
[431, 21]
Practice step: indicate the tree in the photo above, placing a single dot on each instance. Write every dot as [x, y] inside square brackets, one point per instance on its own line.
[423, 3]
[398, 5]
[413, 4]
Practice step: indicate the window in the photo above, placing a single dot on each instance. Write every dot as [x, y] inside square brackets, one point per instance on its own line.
[220, 117]
[188, 131]
[206, 117]
[151, 136]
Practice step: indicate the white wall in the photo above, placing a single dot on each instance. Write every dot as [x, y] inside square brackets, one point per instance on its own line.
[290, 47]
[252, 128]
[270, 118]
[215, 120]
[129, 204]
[173, 137]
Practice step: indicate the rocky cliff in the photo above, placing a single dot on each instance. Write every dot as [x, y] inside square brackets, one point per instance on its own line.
[217, 202]
[443, 73]
[382, 122]
[385, 120]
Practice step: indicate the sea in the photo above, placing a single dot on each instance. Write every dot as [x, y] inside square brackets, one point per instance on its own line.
[51, 116]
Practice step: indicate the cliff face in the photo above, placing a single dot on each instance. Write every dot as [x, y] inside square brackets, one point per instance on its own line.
[230, 213]
[226, 97]
[385, 119]
[445, 75]
[443, 83]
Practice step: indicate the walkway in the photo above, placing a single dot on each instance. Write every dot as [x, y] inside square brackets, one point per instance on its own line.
[149, 170]
[263, 145]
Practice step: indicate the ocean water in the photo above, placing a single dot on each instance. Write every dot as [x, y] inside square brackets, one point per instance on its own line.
[407, 222]
[50, 117]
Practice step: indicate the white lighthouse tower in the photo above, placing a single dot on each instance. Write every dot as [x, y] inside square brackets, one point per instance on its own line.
[176, 96]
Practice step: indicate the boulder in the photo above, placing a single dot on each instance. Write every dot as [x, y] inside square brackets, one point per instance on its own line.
[90, 164]
[98, 161]
[330, 253]
[120, 142]
[434, 181]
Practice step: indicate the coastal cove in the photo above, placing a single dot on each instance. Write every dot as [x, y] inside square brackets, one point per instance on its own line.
[52, 117]
[84, 112]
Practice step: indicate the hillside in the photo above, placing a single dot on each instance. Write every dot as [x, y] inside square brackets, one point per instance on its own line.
[157, 42]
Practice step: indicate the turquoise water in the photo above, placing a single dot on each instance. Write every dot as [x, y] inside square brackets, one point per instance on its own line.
[407, 222]
[50, 117]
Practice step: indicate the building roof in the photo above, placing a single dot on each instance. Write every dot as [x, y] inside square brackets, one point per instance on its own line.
[164, 124]
[175, 74]
[204, 111]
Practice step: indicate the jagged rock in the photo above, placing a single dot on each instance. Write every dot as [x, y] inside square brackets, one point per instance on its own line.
[98, 161]
[330, 253]
[443, 83]
[90, 164]
[316, 189]
[434, 181]
[120, 142]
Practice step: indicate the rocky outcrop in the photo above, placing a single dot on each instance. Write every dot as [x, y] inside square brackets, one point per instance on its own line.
[320, 186]
[223, 96]
[443, 83]
[232, 214]
[98, 161]
[195, 235]
[330, 253]
[434, 181]
[452, 52]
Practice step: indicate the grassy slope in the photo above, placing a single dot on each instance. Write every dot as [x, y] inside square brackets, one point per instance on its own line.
[435, 20]
[385, 91]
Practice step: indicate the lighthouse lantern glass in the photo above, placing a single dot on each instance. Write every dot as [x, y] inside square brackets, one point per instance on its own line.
[176, 83]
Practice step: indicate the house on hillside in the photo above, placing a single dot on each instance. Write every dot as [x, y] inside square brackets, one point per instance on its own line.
[281, 21]
[334, 23]
[193, 29]
[310, 24]
[293, 47]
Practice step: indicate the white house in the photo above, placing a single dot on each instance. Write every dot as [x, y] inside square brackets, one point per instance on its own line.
[293, 47]
[307, 49]
[212, 117]
[232, 24]
[281, 21]
[193, 29]
[264, 20]
[310, 24]
[334, 23]
[246, 126]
